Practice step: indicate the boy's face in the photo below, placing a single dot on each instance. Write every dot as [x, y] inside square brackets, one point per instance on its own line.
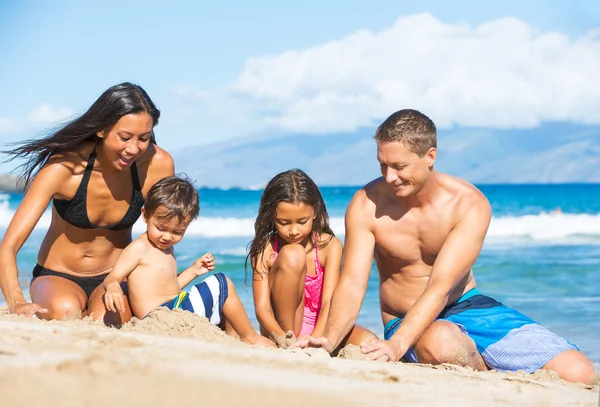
[164, 233]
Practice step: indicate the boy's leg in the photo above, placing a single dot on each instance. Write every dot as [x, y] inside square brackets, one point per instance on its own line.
[235, 317]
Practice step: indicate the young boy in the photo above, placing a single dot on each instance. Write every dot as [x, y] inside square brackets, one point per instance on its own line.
[149, 265]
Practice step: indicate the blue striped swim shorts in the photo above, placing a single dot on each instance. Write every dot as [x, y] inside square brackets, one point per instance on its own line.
[506, 339]
[205, 299]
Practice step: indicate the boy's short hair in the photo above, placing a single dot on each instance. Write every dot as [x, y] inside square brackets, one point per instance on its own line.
[173, 197]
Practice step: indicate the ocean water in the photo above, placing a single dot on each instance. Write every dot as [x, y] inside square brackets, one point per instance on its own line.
[541, 255]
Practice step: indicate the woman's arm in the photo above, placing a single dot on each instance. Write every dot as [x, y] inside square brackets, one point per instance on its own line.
[331, 278]
[43, 187]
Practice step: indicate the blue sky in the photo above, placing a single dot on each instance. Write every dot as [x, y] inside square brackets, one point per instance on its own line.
[225, 70]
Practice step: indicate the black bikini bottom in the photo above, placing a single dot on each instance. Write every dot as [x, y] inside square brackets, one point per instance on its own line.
[87, 284]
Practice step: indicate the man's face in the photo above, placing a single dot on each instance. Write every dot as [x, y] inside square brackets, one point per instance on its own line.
[404, 170]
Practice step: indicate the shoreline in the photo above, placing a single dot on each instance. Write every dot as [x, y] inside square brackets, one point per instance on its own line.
[177, 357]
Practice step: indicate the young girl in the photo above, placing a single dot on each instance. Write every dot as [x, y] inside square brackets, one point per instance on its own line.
[295, 259]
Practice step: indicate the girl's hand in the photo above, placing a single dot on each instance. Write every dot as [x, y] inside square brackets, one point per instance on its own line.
[204, 264]
[284, 341]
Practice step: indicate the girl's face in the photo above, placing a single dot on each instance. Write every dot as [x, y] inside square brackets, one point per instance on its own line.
[127, 139]
[294, 222]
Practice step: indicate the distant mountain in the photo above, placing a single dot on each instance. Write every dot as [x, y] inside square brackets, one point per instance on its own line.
[551, 153]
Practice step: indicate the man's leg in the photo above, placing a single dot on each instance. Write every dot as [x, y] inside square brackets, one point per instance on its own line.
[573, 366]
[445, 342]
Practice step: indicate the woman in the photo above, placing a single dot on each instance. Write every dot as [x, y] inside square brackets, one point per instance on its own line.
[96, 171]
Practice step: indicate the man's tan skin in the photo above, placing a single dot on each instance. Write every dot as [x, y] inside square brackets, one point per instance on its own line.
[425, 231]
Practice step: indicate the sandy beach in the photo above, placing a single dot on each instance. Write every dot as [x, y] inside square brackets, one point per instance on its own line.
[176, 357]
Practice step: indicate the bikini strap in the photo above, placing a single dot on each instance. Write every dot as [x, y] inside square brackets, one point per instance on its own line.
[88, 170]
[135, 178]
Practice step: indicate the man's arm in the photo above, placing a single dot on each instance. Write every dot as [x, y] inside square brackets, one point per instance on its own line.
[453, 263]
[127, 262]
[358, 259]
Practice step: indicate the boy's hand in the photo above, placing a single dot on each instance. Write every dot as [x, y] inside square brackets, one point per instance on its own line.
[204, 264]
[113, 298]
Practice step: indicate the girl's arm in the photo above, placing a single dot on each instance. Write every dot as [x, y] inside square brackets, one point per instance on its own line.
[44, 186]
[262, 298]
[331, 278]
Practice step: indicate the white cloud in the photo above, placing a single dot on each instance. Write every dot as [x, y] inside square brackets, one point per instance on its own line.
[7, 125]
[46, 114]
[502, 73]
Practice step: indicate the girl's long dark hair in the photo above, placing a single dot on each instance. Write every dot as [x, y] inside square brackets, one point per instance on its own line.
[295, 187]
[116, 102]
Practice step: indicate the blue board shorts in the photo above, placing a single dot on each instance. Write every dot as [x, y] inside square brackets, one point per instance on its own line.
[205, 299]
[506, 339]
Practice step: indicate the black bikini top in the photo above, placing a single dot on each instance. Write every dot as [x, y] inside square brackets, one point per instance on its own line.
[74, 211]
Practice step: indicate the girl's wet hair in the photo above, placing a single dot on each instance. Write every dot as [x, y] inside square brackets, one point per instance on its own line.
[295, 187]
[116, 102]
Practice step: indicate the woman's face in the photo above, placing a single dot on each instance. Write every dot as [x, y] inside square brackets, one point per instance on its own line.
[127, 139]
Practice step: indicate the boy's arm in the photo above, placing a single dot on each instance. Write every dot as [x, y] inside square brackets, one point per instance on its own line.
[331, 278]
[201, 266]
[127, 262]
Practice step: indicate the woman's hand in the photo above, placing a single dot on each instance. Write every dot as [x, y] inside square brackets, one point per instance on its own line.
[27, 309]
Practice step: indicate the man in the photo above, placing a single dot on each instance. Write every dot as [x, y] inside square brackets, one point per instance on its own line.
[425, 230]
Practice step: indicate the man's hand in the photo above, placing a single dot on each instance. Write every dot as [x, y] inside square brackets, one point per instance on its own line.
[114, 298]
[204, 264]
[27, 309]
[383, 351]
[310, 342]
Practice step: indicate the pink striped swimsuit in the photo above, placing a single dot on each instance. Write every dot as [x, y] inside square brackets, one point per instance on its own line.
[313, 290]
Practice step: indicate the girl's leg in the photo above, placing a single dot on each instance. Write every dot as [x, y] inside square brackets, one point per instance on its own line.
[236, 318]
[61, 297]
[286, 281]
[97, 310]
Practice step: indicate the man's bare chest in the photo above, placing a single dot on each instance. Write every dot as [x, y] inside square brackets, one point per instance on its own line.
[411, 239]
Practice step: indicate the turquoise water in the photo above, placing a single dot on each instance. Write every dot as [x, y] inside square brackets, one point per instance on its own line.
[536, 259]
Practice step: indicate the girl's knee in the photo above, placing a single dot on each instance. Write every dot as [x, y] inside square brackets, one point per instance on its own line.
[293, 256]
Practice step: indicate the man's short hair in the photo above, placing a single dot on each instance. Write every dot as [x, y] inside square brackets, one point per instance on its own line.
[410, 127]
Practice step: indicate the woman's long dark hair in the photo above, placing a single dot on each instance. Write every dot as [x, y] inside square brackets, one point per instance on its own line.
[116, 102]
[295, 187]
